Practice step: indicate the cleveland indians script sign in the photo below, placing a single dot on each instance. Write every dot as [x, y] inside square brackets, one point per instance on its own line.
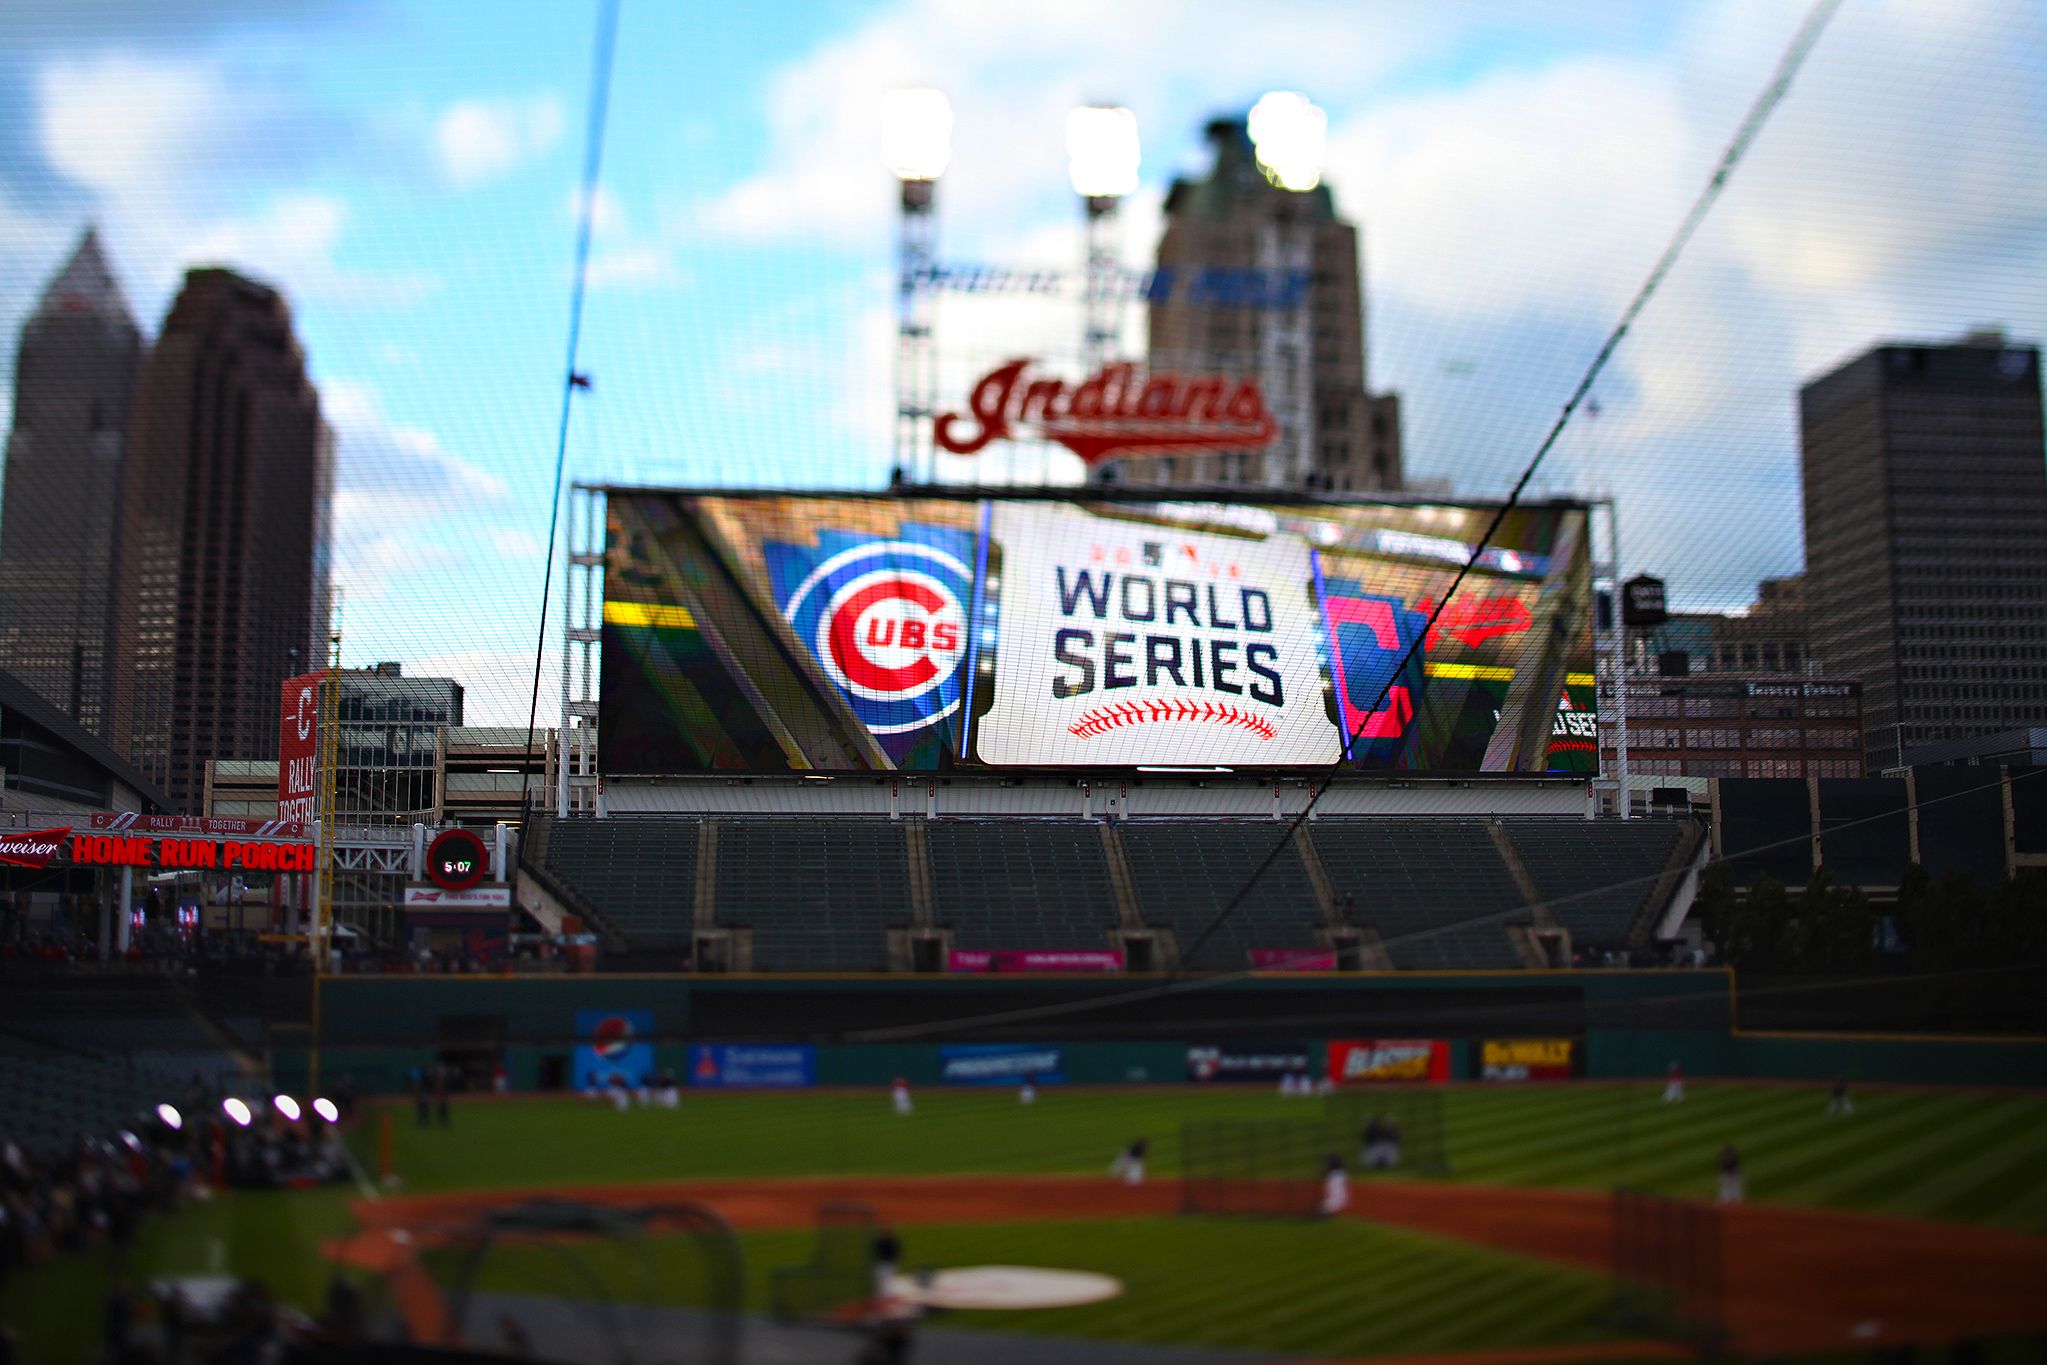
[1114, 414]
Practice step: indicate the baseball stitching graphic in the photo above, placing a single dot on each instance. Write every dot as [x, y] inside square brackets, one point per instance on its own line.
[1104, 718]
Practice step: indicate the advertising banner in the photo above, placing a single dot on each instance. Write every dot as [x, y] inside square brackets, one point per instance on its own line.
[999, 1064]
[755, 1066]
[612, 1043]
[1035, 960]
[1247, 1061]
[31, 848]
[198, 824]
[496, 895]
[298, 747]
[824, 633]
[1528, 1059]
[1353, 1062]
[1292, 960]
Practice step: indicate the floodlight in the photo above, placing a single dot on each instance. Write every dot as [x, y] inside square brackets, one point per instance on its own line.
[172, 1119]
[324, 1107]
[1289, 134]
[287, 1106]
[236, 1110]
[130, 1141]
[1101, 151]
[916, 132]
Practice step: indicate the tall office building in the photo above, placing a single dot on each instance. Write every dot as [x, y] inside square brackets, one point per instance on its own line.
[1926, 539]
[61, 503]
[224, 521]
[1265, 281]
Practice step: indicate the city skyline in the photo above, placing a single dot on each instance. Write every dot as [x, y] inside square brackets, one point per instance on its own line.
[1512, 174]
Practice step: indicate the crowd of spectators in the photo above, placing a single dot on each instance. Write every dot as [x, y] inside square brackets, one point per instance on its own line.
[94, 1197]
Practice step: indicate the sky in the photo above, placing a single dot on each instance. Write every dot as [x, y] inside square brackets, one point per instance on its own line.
[406, 173]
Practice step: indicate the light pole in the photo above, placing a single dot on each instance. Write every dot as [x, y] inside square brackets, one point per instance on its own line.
[916, 145]
[1288, 136]
[1102, 159]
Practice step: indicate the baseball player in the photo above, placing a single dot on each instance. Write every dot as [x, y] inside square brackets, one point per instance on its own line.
[888, 1253]
[1029, 1093]
[900, 1094]
[1335, 1186]
[1674, 1086]
[1838, 1101]
[1128, 1166]
[1730, 1175]
[670, 1093]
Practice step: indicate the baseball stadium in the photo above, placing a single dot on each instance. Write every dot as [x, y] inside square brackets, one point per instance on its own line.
[842, 802]
[877, 986]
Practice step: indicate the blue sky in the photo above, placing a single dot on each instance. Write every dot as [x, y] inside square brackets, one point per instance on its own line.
[405, 173]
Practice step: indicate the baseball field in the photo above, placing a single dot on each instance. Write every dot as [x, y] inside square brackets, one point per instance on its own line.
[1921, 1214]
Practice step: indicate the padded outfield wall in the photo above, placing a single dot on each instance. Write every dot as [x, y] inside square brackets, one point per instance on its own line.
[865, 1030]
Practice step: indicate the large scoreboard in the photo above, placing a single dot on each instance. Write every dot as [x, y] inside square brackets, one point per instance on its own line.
[1096, 629]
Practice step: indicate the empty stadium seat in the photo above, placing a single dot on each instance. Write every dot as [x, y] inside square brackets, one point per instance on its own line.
[1595, 875]
[638, 873]
[1022, 885]
[1184, 874]
[1435, 889]
[820, 896]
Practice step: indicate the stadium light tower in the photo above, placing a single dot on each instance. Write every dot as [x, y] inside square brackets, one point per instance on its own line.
[916, 146]
[1289, 134]
[1102, 159]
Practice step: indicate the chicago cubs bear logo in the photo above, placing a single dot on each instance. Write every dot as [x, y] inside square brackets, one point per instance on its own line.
[885, 619]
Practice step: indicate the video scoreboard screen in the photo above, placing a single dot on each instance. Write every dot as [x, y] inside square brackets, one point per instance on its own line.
[777, 633]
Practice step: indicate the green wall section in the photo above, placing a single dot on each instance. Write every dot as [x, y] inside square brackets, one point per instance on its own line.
[372, 1028]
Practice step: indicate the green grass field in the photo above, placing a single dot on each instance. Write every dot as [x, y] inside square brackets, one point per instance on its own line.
[1343, 1288]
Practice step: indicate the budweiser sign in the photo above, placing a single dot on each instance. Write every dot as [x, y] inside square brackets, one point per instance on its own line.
[32, 848]
[1118, 412]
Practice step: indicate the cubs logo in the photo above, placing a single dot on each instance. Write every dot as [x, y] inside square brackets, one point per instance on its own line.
[885, 619]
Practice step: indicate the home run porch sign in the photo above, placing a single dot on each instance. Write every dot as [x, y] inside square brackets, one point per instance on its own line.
[1123, 641]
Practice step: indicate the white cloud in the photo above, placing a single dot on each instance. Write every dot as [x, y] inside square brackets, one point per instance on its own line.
[292, 242]
[119, 124]
[477, 140]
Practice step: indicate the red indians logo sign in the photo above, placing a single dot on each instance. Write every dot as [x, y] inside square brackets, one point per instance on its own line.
[1114, 414]
[33, 849]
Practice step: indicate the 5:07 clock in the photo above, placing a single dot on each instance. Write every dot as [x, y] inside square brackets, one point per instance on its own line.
[456, 860]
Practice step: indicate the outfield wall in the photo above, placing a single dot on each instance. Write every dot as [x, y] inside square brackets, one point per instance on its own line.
[865, 1031]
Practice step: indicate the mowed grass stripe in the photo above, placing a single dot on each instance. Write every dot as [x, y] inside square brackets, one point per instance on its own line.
[1591, 1149]
[2013, 1195]
[2005, 1155]
[1883, 1166]
[1690, 1166]
[1626, 1145]
[1873, 1132]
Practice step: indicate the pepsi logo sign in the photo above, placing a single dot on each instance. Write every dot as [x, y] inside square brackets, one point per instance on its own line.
[887, 622]
[612, 1036]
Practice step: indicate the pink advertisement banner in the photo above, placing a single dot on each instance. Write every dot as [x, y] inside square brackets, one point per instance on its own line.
[1292, 960]
[1034, 960]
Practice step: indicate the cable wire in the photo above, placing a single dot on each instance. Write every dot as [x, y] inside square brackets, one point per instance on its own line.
[586, 215]
[1765, 104]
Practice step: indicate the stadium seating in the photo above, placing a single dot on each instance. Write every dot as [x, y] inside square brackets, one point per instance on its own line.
[1427, 886]
[92, 1056]
[1184, 874]
[819, 895]
[640, 874]
[1595, 876]
[1022, 885]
